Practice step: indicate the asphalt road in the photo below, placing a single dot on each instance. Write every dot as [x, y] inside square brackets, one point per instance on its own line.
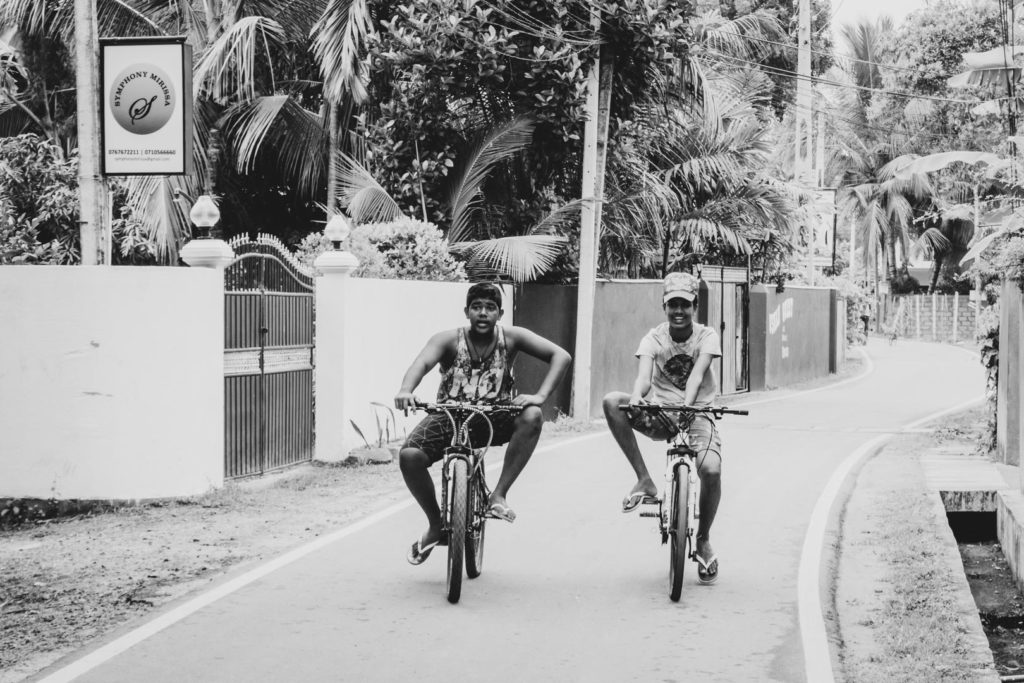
[574, 590]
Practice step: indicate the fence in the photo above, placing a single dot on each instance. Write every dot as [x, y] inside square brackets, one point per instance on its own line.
[930, 317]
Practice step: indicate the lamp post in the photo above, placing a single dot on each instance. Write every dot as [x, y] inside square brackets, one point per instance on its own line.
[206, 251]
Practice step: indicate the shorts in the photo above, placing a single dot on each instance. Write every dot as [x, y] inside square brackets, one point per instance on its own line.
[704, 436]
[434, 433]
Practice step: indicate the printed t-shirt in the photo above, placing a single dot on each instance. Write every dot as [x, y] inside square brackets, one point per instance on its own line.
[673, 362]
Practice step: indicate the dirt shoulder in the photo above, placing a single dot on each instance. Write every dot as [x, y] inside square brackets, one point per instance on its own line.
[902, 609]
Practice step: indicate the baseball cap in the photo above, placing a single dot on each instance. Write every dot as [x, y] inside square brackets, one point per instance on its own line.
[681, 285]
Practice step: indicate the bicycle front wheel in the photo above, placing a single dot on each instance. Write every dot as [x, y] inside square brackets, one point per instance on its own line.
[679, 533]
[476, 520]
[457, 527]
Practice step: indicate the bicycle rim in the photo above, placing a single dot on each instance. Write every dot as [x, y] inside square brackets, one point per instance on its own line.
[679, 534]
[476, 522]
[457, 526]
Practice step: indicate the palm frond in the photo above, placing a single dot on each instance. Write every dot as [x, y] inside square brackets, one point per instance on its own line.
[278, 126]
[522, 258]
[497, 146]
[366, 199]
[227, 70]
[931, 242]
[338, 42]
[163, 211]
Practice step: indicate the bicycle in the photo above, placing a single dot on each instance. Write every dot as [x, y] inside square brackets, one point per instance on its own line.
[464, 490]
[679, 504]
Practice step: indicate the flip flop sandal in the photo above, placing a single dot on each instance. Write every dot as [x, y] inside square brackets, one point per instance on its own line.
[501, 511]
[635, 499]
[419, 552]
[707, 570]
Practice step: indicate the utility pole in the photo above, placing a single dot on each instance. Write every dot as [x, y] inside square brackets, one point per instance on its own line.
[803, 170]
[595, 138]
[94, 209]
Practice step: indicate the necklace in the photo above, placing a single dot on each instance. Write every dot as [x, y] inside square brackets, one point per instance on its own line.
[487, 348]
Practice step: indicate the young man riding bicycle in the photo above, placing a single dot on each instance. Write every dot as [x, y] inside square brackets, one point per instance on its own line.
[476, 366]
[675, 367]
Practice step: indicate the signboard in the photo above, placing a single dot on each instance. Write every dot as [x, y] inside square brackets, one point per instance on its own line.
[146, 109]
[824, 226]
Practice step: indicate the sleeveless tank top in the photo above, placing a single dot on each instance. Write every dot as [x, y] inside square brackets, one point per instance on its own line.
[488, 380]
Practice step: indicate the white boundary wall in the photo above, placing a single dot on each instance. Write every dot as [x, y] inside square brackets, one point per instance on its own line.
[111, 382]
[367, 334]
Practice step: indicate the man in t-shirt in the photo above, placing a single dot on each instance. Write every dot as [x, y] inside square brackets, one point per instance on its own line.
[675, 367]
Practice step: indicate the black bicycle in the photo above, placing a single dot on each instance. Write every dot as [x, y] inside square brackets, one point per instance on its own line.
[679, 504]
[464, 490]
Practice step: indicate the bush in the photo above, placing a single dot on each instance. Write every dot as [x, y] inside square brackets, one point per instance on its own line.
[404, 249]
[38, 202]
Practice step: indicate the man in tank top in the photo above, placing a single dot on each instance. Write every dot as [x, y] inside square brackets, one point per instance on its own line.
[674, 366]
[476, 366]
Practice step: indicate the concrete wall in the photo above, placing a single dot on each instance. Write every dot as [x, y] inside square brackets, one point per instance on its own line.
[624, 311]
[368, 332]
[1011, 372]
[931, 317]
[111, 382]
[790, 335]
[550, 311]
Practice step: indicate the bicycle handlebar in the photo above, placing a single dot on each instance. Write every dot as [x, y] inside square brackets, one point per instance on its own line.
[670, 407]
[467, 406]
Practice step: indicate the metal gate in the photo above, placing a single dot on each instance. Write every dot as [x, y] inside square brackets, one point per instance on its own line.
[268, 359]
[726, 310]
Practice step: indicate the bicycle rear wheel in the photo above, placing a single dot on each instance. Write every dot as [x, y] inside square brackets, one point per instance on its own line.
[457, 528]
[679, 533]
[476, 521]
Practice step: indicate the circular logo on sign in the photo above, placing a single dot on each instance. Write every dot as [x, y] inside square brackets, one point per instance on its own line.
[142, 99]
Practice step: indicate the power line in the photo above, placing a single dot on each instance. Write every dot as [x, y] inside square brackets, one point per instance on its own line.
[833, 55]
[824, 81]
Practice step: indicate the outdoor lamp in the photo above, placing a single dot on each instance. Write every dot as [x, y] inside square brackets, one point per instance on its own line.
[204, 215]
[338, 229]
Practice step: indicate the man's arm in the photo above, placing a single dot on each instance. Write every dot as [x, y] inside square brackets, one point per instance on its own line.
[696, 377]
[642, 383]
[557, 358]
[430, 356]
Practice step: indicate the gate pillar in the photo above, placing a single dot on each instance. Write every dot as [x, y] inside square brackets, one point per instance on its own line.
[332, 441]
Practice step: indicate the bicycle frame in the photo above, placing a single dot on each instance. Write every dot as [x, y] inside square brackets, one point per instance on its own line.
[678, 520]
[464, 491]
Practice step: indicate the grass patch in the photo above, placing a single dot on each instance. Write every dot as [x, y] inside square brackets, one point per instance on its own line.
[566, 424]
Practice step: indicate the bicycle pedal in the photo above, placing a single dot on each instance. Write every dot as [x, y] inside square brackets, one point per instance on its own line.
[650, 514]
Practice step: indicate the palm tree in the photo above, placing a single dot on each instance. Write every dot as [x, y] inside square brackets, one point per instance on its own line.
[695, 186]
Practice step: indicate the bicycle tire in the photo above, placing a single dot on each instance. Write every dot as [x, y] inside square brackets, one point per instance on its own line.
[457, 528]
[476, 525]
[679, 533]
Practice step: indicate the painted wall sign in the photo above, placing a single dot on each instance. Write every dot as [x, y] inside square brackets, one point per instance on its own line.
[146, 106]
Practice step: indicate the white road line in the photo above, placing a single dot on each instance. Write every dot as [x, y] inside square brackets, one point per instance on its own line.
[817, 658]
[132, 638]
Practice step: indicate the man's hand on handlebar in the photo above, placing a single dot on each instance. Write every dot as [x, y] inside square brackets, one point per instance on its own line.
[528, 400]
[404, 401]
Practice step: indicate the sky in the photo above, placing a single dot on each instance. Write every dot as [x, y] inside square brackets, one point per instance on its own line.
[847, 11]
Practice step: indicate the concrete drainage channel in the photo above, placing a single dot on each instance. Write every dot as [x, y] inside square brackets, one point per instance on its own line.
[984, 523]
